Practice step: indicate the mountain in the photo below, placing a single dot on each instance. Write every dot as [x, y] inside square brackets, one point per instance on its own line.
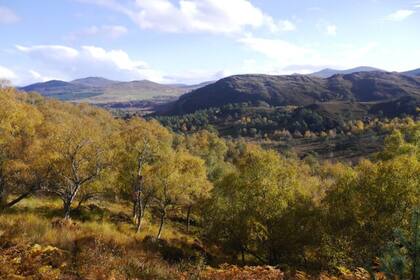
[326, 73]
[63, 90]
[297, 90]
[94, 82]
[98, 90]
[415, 73]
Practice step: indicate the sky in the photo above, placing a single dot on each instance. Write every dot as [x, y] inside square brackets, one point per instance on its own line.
[191, 41]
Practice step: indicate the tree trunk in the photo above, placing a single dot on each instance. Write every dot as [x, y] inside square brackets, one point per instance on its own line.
[189, 217]
[162, 220]
[139, 223]
[81, 201]
[3, 196]
[17, 200]
[134, 215]
[138, 211]
[67, 209]
[68, 200]
[139, 220]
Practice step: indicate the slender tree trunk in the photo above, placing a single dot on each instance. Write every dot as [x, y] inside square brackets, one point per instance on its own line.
[189, 217]
[139, 223]
[67, 209]
[162, 220]
[139, 220]
[84, 199]
[134, 215]
[68, 200]
[138, 207]
[3, 195]
[17, 200]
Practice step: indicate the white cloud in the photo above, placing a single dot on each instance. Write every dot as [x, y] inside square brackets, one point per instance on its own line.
[281, 25]
[7, 16]
[68, 63]
[108, 31]
[331, 30]
[213, 16]
[281, 51]
[35, 76]
[50, 52]
[326, 27]
[284, 57]
[198, 76]
[400, 15]
[6, 73]
[207, 15]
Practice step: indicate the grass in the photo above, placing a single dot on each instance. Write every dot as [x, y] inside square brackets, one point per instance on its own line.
[32, 220]
[98, 243]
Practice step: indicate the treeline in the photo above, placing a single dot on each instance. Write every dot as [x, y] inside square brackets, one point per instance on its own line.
[281, 123]
[254, 205]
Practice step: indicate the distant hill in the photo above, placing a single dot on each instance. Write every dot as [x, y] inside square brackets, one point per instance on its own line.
[94, 82]
[326, 73]
[99, 90]
[298, 90]
[414, 73]
[63, 90]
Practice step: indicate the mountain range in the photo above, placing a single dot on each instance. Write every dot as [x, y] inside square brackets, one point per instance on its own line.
[293, 89]
[98, 90]
[299, 90]
[326, 73]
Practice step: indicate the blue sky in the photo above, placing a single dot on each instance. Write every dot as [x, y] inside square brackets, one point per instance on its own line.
[190, 41]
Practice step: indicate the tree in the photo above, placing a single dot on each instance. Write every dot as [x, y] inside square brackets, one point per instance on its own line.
[143, 142]
[211, 148]
[362, 210]
[79, 143]
[18, 146]
[396, 145]
[402, 256]
[247, 204]
[194, 182]
[177, 179]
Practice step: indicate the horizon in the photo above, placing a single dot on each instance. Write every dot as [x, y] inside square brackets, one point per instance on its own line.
[211, 81]
[194, 41]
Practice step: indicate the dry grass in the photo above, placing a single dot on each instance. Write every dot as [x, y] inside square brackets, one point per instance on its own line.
[101, 244]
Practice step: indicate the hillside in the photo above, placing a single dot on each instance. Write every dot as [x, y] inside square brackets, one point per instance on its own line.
[326, 73]
[98, 90]
[94, 82]
[84, 195]
[63, 90]
[414, 73]
[298, 90]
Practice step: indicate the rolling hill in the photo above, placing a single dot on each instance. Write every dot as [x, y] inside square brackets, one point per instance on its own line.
[298, 90]
[65, 91]
[98, 90]
[413, 73]
[94, 82]
[326, 73]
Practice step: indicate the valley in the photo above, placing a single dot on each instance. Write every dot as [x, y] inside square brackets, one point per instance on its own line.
[335, 117]
[209, 140]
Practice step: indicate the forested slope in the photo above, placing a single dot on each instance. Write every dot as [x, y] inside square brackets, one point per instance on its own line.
[87, 196]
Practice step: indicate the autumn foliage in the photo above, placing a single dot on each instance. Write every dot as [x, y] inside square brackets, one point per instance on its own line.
[84, 195]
